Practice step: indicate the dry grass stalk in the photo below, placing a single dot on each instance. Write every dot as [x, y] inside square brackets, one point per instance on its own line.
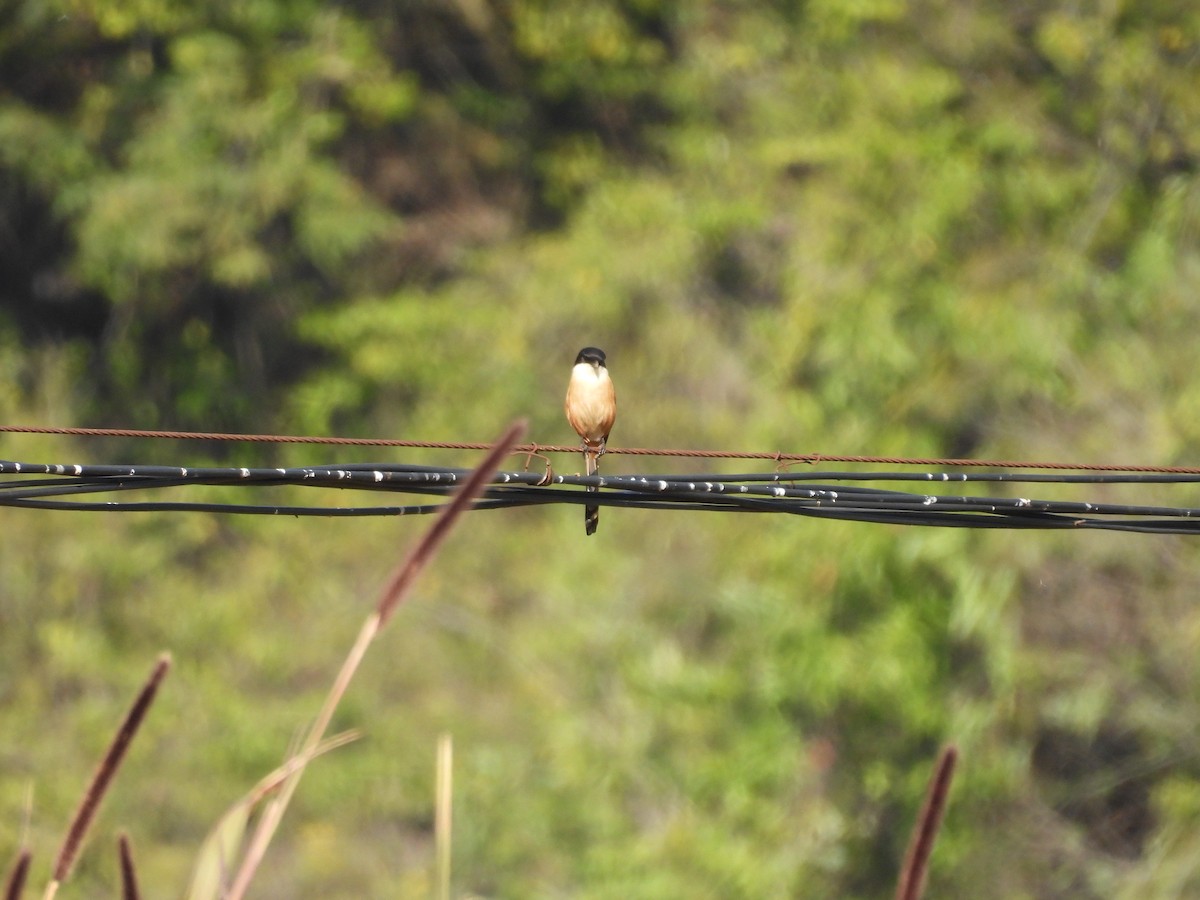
[911, 885]
[211, 872]
[14, 887]
[393, 594]
[406, 573]
[443, 811]
[105, 773]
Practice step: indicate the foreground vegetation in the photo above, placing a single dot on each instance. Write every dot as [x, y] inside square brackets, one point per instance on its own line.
[881, 227]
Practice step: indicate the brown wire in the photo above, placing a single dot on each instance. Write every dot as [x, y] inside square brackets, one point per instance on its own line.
[810, 458]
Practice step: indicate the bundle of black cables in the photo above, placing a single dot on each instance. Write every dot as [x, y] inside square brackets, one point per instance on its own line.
[850, 496]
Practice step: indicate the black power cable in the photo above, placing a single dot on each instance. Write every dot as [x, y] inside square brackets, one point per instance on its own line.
[839, 495]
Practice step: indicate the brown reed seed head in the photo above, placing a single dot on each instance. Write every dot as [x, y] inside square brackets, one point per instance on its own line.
[913, 875]
[15, 885]
[129, 887]
[405, 574]
[107, 770]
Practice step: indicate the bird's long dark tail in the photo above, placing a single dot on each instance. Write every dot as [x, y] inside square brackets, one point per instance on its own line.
[591, 514]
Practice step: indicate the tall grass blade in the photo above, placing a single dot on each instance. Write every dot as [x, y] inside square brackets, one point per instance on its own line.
[220, 848]
[393, 594]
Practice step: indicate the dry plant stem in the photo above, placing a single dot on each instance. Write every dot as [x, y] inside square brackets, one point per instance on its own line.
[15, 886]
[272, 782]
[273, 812]
[443, 811]
[129, 888]
[393, 594]
[406, 573]
[220, 837]
[105, 773]
[26, 814]
[911, 885]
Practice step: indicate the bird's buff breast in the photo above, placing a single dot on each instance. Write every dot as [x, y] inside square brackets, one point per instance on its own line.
[590, 404]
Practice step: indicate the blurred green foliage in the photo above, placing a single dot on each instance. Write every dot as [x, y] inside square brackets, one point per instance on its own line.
[885, 226]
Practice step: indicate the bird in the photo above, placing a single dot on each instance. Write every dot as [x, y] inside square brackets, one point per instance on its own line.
[591, 408]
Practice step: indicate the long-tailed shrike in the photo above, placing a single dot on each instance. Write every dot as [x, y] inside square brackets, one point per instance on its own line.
[591, 409]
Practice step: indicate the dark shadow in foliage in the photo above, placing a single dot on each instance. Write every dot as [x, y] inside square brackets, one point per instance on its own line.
[1101, 784]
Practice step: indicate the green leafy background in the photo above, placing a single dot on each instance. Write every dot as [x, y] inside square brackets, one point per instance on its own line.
[882, 226]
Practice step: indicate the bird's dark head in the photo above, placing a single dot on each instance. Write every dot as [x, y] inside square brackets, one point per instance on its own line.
[593, 356]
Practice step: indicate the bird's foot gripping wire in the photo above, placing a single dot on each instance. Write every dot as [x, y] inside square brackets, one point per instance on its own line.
[782, 463]
[596, 448]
